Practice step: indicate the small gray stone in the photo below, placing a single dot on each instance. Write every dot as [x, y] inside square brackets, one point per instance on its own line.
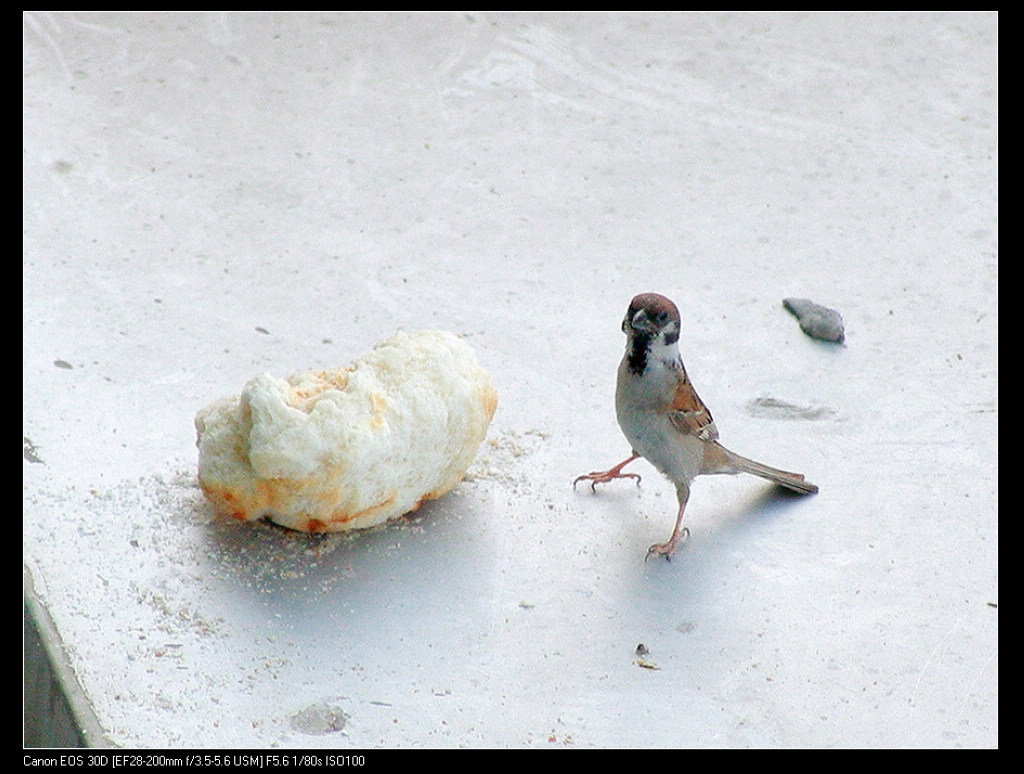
[818, 322]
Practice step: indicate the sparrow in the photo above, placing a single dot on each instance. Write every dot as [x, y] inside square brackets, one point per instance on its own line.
[664, 419]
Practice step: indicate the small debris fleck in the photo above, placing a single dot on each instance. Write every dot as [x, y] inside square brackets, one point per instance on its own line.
[818, 322]
[31, 452]
[641, 659]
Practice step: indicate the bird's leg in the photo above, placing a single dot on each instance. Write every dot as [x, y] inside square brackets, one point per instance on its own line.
[603, 477]
[678, 535]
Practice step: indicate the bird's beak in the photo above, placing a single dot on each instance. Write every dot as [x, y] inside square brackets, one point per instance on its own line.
[640, 322]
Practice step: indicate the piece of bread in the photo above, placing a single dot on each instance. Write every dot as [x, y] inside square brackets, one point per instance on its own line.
[348, 448]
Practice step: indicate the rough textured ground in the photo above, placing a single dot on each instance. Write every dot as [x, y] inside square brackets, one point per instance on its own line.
[208, 196]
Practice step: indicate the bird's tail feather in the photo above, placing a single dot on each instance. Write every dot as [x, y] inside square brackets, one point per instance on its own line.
[794, 481]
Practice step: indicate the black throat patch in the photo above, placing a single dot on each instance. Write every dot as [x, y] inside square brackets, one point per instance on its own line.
[639, 348]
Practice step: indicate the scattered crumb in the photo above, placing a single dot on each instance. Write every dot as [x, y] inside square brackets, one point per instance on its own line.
[641, 660]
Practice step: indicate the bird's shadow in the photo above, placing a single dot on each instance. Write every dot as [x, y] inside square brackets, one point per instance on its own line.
[759, 507]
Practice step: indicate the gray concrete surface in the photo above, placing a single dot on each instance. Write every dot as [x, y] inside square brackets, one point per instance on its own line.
[212, 195]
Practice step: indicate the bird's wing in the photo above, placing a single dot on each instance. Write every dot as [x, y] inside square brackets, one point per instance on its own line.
[688, 412]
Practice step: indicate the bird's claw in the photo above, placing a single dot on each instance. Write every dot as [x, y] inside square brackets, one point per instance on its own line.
[603, 477]
[669, 548]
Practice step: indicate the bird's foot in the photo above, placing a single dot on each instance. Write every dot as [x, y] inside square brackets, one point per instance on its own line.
[669, 548]
[603, 477]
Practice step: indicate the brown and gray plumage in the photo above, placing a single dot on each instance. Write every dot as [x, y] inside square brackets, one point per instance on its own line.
[664, 419]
